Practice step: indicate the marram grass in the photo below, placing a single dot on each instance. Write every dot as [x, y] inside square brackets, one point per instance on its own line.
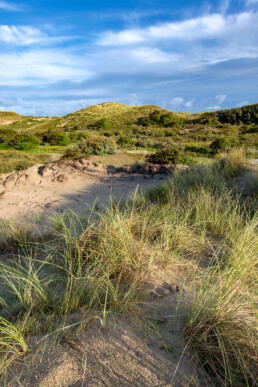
[101, 266]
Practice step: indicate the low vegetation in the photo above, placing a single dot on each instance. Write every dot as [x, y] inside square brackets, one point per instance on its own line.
[15, 160]
[101, 265]
[95, 145]
[134, 128]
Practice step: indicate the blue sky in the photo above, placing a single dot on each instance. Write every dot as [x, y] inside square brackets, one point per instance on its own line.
[60, 56]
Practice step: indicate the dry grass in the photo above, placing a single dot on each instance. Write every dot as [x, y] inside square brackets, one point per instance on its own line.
[18, 160]
[232, 163]
[103, 267]
[15, 234]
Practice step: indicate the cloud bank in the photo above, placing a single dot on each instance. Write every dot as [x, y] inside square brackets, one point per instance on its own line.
[180, 65]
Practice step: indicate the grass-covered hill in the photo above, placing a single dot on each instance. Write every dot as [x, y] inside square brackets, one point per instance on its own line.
[146, 127]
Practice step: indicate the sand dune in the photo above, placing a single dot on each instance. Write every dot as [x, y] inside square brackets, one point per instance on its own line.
[71, 184]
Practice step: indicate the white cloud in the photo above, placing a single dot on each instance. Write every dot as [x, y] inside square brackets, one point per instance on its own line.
[204, 27]
[173, 103]
[26, 35]
[189, 104]
[138, 65]
[204, 41]
[220, 98]
[250, 2]
[21, 35]
[148, 55]
[243, 103]
[123, 37]
[214, 107]
[176, 102]
[40, 67]
[7, 6]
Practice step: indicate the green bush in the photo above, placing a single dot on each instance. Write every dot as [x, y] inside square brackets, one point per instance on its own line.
[222, 144]
[103, 124]
[23, 142]
[57, 138]
[197, 149]
[75, 136]
[6, 135]
[126, 141]
[164, 156]
[73, 154]
[186, 159]
[98, 145]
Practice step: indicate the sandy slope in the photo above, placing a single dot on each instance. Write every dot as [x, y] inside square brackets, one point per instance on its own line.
[72, 184]
[126, 352]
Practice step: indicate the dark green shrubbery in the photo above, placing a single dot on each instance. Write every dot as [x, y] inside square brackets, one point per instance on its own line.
[98, 145]
[164, 156]
[125, 141]
[165, 120]
[95, 145]
[201, 150]
[57, 138]
[153, 118]
[186, 159]
[23, 142]
[75, 136]
[101, 124]
[241, 115]
[222, 144]
[246, 115]
[171, 155]
[74, 154]
[6, 135]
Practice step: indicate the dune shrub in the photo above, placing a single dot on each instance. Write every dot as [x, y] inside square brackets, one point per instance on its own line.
[75, 136]
[57, 138]
[98, 145]
[164, 156]
[74, 154]
[6, 135]
[222, 144]
[23, 141]
[125, 141]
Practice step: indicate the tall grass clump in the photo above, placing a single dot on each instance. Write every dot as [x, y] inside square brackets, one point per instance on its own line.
[26, 285]
[15, 234]
[231, 163]
[104, 265]
[222, 325]
[11, 339]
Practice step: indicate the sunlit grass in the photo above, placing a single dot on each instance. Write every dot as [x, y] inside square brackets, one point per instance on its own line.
[196, 220]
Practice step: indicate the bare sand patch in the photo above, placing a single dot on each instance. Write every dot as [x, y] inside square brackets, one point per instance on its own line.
[126, 352]
[72, 184]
